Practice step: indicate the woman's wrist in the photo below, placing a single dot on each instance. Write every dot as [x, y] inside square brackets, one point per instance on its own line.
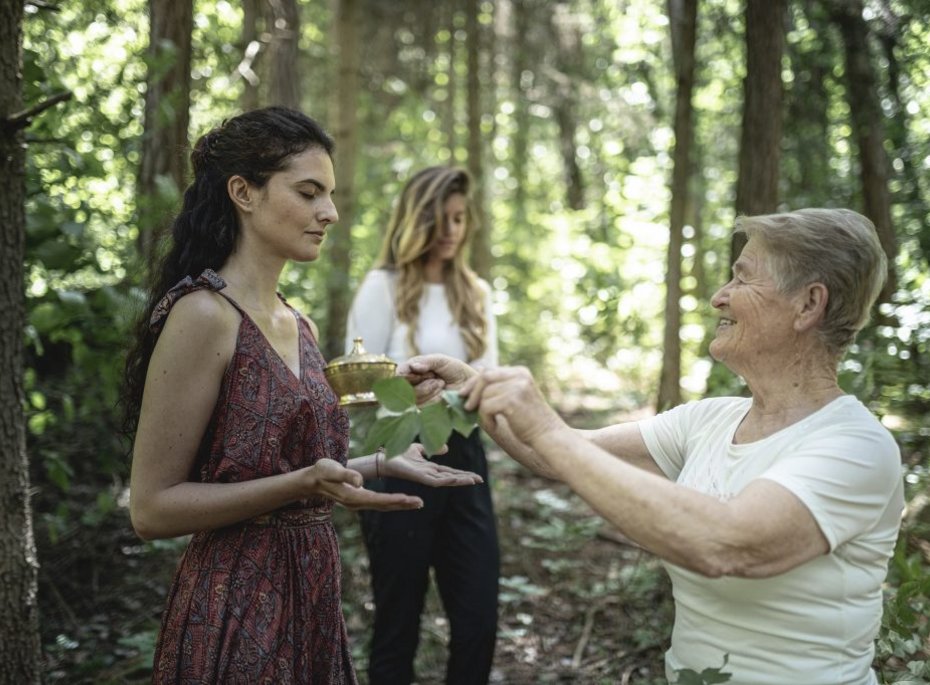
[305, 483]
[379, 462]
[560, 440]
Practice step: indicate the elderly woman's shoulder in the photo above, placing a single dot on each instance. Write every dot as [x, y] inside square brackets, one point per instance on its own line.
[722, 403]
[711, 410]
[849, 414]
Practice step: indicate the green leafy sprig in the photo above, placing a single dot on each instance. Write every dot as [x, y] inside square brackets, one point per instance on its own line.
[399, 420]
[708, 676]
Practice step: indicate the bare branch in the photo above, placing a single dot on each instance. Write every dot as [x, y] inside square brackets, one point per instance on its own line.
[42, 5]
[24, 118]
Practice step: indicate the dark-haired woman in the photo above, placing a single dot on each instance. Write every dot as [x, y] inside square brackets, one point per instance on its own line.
[422, 297]
[238, 437]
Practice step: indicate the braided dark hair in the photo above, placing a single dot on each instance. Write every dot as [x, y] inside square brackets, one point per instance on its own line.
[253, 145]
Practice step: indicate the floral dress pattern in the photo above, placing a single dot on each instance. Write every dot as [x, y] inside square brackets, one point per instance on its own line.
[259, 602]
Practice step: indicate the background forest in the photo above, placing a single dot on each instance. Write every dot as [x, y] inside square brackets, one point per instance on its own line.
[615, 141]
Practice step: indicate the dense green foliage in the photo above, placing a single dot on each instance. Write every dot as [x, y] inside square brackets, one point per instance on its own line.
[399, 420]
[578, 291]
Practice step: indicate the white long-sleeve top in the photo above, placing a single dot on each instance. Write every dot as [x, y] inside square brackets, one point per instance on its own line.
[373, 317]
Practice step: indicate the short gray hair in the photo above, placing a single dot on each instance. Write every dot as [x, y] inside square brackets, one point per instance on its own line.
[836, 247]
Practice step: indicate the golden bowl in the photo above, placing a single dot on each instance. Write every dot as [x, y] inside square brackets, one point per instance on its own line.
[352, 376]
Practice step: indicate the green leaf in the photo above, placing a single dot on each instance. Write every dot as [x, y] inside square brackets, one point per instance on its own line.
[709, 676]
[395, 433]
[435, 426]
[462, 425]
[59, 472]
[455, 401]
[57, 254]
[464, 422]
[379, 433]
[688, 677]
[404, 431]
[47, 317]
[395, 394]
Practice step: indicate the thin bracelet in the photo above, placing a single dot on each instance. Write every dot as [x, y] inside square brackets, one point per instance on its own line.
[379, 455]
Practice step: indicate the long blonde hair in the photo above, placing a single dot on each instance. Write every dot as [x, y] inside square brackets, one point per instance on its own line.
[413, 230]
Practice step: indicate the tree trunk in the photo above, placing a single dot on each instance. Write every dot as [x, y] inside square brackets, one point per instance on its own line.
[682, 20]
[567, 41]
[521, 115]
[866, 115]
[911, 197]
[283, 54]
[19, 623]
[695, 217]
[807, 113]
[345, 131]
[167, 114]
[481, 240]
[449, 113]
[251, 49]
[760, 140]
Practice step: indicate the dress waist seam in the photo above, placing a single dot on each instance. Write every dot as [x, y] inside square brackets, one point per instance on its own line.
[292, 518]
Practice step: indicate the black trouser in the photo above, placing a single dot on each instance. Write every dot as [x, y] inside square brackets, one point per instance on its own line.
[455, 533]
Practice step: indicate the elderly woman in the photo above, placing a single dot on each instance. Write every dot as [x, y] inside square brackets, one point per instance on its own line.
[775, 514]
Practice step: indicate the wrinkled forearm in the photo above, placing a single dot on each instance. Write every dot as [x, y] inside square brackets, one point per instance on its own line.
[680, 525]
[500, 432]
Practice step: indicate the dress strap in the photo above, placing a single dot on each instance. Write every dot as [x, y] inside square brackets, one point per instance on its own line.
[208, 280]
[302, 321]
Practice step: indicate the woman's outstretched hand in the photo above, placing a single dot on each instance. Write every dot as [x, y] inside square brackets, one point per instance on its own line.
[430, 374]
[512, 394]
[413, 465]
[331, 479]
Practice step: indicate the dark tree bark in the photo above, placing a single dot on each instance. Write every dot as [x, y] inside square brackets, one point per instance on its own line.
[283, 54]
[808, 146]
[251, 50]
[868, 131]
[167, 115]
[481, 241]
[760, 140]
[19, 625]
[345, 131]
[694, 213]
[521, 116]
[682, 19]
[449, 113]
[567, 41]
[899, 130]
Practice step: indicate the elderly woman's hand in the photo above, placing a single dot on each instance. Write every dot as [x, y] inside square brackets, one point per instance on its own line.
[430, 374]
[511, 393]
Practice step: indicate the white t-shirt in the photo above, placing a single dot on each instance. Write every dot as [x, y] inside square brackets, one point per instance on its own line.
[815, 624]
[373, 318]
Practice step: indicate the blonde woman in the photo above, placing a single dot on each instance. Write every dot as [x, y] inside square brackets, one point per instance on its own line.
[422, 298]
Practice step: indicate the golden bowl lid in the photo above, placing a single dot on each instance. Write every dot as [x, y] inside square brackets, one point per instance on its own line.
[359, 355]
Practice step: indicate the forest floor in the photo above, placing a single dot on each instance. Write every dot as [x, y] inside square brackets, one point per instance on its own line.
[577, 603]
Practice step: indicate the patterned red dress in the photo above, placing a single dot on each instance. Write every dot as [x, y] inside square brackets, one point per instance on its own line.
[259, 602]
